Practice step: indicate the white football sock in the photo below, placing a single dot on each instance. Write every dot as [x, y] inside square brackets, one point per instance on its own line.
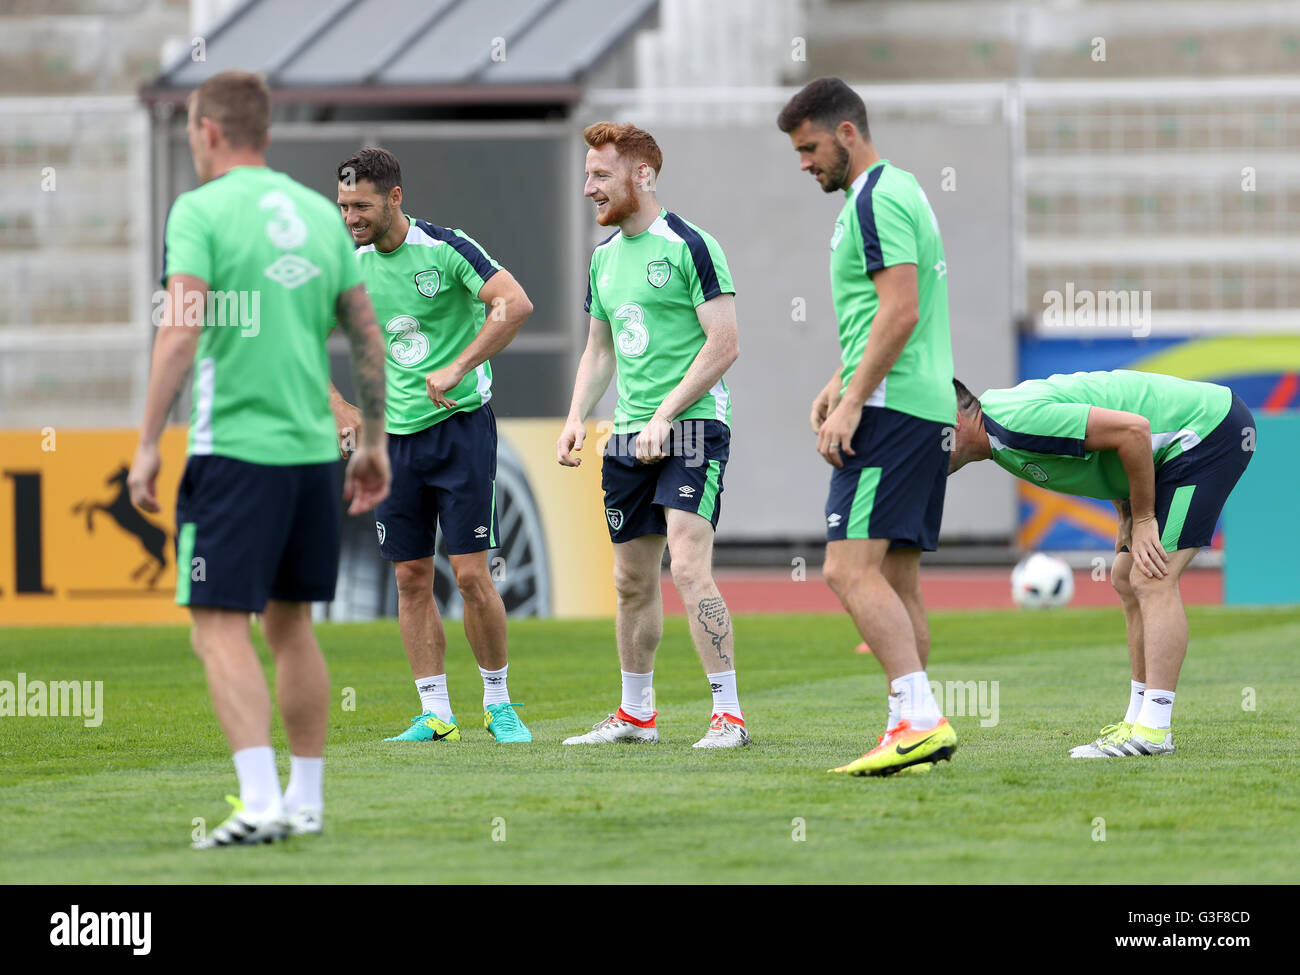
[259, 782]
[639, 695]
[916, 702]
[726, 700]
[894, 713]
[434, 697]
[304, 790]
[1157, 709]
[494, 686]
[1136, 687]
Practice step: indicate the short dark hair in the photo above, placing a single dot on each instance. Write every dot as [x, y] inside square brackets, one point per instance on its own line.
[240, 103]
[826, 102]
[377, 165]
[967, 402]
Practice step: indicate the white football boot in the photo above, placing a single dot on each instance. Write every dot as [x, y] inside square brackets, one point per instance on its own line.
[725, 731]
[305, 822]
[619, 727]
[245, 829]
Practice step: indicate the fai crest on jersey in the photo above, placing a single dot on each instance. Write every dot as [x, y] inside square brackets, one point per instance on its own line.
[428, 283]
[838, 233]
[381, 531]
[1036, 472]
[615, 518]
[658, 273]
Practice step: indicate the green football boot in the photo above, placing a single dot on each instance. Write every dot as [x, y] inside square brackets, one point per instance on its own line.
[504, 724]
[428, 727]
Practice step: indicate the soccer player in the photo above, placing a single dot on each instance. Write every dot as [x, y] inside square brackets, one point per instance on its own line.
[257, 513]
[1167, 452]
[663, 310]
[431, 286]
[884, 419]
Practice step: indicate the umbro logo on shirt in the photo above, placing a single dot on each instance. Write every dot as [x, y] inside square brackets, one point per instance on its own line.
[835, 237]
[833, 520]
[685, 491]
[381, 530]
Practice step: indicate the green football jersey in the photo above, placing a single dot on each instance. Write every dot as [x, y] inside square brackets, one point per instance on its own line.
[425, 295]
[275, 256]
[1037, 429]
[648, 287]
[887, 220]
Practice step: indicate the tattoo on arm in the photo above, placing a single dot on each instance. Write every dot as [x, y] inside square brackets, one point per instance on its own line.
[357, 319]
[715, 619]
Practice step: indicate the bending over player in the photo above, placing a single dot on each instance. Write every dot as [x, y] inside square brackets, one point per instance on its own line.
[1167, 452]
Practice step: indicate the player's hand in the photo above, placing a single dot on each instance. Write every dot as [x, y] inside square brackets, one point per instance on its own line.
[650, 441]
[367, 479]
[835, 436]
[347, 421]
[570, 442]
[826, 401]
[143, 477]
[441, 382]
[1148, 554]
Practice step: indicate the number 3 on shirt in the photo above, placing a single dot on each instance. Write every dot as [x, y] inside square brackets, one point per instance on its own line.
[634, 337]
[286, 229]
[409, 348]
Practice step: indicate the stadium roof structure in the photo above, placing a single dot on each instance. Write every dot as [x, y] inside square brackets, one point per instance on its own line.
[411, 51]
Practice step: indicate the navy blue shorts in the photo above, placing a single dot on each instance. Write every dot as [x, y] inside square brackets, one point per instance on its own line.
[689, 478]
[1193, 487]
[247, 533]
[893, 484]
[444, 474]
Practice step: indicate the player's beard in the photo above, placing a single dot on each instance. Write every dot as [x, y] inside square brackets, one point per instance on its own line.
[616, 212]
[839, 173]
[378, 230]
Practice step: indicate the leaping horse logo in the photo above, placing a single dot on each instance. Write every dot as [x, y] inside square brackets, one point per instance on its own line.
[152, 538]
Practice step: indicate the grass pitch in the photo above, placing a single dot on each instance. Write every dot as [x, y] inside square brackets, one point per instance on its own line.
[116, 803]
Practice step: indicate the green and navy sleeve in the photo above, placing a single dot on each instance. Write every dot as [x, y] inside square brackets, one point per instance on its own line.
[704, 264]
[187, 246]
[887, 228]
[1040, 426]
[470, 264]
[592, 305]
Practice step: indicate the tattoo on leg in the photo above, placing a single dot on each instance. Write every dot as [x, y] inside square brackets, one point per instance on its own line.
[714, 611]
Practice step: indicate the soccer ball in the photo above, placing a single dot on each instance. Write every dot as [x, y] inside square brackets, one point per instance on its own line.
[1042, 582]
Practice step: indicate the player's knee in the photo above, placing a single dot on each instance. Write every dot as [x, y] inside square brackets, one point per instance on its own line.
[1144, 586]
[1119, 581]
[475, 585]
[634, 584]
[413, 578]
[692, 576]
[841, 577]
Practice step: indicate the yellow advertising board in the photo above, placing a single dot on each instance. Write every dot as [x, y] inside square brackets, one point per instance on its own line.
[74, 550]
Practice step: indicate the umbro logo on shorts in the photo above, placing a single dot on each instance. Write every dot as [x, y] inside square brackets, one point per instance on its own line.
[480, 531]
[685, 491]
[833, 520]
[381, 530]
[615, 518]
